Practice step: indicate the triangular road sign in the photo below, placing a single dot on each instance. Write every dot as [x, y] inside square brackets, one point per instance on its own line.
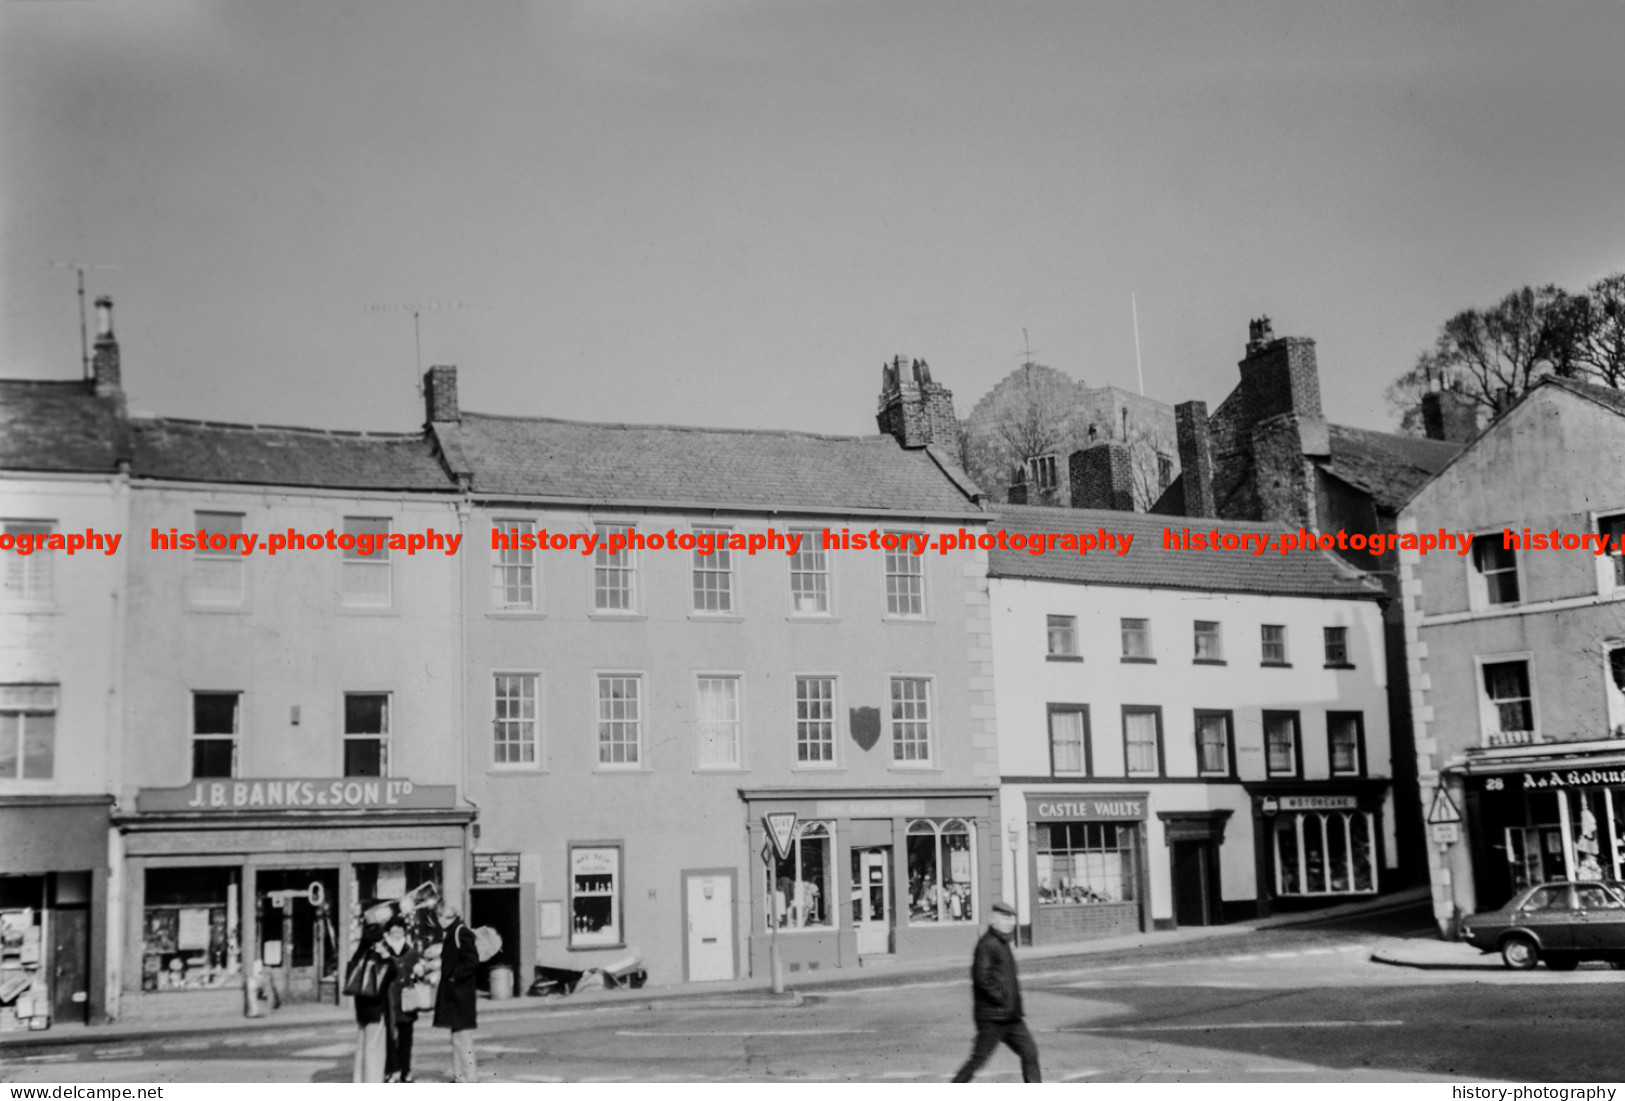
[781, 827]
[1444, 808]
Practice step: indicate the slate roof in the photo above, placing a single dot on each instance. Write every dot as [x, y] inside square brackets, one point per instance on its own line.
[1603, 395]
[59, 427]
[666, 465]
[1388, 466]
[1148, 565]
[206, 451]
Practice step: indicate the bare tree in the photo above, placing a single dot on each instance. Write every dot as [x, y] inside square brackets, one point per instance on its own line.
[1035, 423]
[1598, 337]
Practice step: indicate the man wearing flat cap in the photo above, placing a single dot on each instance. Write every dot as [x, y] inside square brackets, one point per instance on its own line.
[997, 994]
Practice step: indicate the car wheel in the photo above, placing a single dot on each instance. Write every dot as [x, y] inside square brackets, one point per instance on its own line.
[1519, 953]
[1562, 963]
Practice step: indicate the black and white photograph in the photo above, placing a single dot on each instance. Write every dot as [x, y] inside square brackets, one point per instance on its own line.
[774, 542]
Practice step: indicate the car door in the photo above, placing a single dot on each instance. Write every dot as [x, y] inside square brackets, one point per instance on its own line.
[1600, 919]
[1548, 913]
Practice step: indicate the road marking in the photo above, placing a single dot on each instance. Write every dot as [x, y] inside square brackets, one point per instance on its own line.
[503, 1049]
[1239, 959]
[1240, 1025]
[756, 1032]
[1320, 951]
[185, 1045]
[328, 1051]
[118, 1052]
[537, 1078]
[1281, 955]
[1077, 1074]
[886, 989]
[54, 1057]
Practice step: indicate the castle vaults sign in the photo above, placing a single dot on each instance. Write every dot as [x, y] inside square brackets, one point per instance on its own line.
[273, 796]
[1127, 807]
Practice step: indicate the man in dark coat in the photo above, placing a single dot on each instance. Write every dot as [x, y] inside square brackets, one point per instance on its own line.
[455, 1000]
[997, 994]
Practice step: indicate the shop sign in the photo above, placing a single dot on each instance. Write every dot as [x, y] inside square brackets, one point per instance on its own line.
[1091, 808]
[869, 808]
[1319, 802]
[277, 795]
[1446, 833]
[1574, 778]
[496, 869]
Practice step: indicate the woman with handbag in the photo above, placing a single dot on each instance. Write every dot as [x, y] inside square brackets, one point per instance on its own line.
[408, 993]
[367, 982]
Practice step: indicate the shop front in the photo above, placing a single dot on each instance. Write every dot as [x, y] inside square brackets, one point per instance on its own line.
[1086, 871]
[869, 877]
[1317, 844]
[266, 879]
[53, 898]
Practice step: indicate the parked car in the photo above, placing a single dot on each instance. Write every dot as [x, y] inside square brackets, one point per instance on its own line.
[1561, 923]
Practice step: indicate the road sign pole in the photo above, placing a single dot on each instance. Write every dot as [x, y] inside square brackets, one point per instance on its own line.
[775, 965]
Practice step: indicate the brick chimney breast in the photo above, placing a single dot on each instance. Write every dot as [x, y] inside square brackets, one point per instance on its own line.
[915, 410]
[1195, 458]
[1449, 415]
[1102, 477]
[104, 364]
[440, 394]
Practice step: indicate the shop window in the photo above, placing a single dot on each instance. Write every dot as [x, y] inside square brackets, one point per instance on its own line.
[713, 572]
[28, 577]
[905, 581]
[815, 720]
[513, 568]
[366, 734]
[614, 576]
[1612, 530]
[190, 935]
[804, 881]
[1507, 704]
[1213, 743]
[25, 954]
[1272, 639]
[809, 576]
[216, 722]
[620, 721]
[27, 731]
[1614, 678]
[1494, 577]
[1281, 743]
[218, 567]
[911, 720]
[1136, 639]
[1142, 740]
[1345, 742]
[941, 883]
[595, 896]
[1082, 863]
[1337, 647]
[514, 733]
[1325, 853]
[1209, 641]
[717, 722]
[367, 579]
[1063, 635]
[1069, 739]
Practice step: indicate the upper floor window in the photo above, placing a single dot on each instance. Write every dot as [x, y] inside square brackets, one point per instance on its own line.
[513, 567]
[620, 720]
[809, 576]
[1136, 639]
[717, 722]
[1044, 471]
[218, 569]
[1209, 645]
[1272, 639]
[911, 720]
[367, 576]
[905, 582]
[1495, 568]
[1508, 703]
[1213, 743]
[713, 571]
[1345, 738]
[1337, 646]
[513, 727]
[1063, 635]
[1612, 530]
[1614, 675]
[1069, 740]
[614, 576]
[815, 720]
[1281, 743]
[366, 734]
[27, 731]
[1142, 740]
[28, 576]
[216, 722]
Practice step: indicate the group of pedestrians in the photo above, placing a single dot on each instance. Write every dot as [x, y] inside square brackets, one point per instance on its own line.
[387, 1016]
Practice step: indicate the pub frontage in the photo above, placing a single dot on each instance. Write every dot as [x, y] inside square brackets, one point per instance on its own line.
[224, 880]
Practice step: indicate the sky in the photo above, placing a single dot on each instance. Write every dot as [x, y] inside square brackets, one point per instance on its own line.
[731, 212]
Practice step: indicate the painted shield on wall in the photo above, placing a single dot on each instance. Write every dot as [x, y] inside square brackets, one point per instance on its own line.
[865, 722]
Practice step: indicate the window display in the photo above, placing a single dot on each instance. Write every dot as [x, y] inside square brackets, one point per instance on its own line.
[940, 879]
[190, 929]
[804, 880]
[595, 897]
[1080, 863]
[1325, 853]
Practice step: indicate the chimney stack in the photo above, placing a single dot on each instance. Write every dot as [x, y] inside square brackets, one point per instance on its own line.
[915, 410]
[1449, 415]
[440, 394]
[1102, 477]
[1195, 458]
[104, 362]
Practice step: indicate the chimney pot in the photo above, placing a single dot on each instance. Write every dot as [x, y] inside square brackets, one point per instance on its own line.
[104, 361]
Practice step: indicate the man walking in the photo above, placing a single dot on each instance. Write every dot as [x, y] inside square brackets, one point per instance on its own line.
[455, 1000]
[997, 993]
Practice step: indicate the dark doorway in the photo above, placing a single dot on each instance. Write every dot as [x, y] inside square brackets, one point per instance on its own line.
[1195, 883]
[498, 908]
[299, 939]
[70, 965]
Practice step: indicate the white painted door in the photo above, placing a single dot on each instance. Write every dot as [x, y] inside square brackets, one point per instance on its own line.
[710, 927]
[871, 901]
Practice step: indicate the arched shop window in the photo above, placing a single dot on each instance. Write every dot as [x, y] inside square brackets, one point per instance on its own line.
[1325, 853]
[941, 872]
[1085, 862]
[804, 881]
